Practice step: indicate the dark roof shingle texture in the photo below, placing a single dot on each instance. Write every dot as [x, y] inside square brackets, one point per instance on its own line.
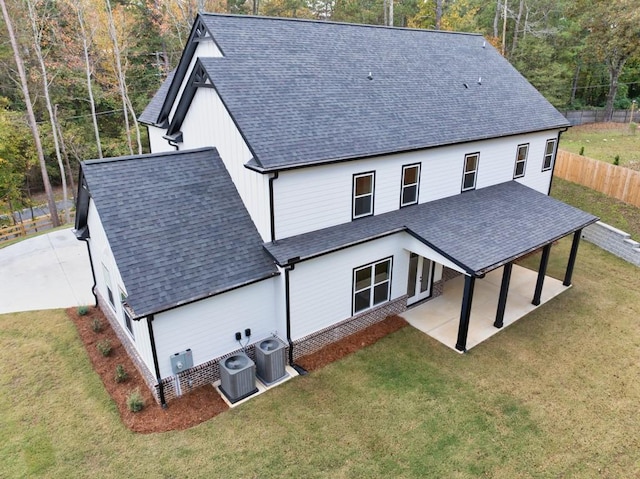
[479, 230]
[300, 94]
[150, 114]
[177, 227]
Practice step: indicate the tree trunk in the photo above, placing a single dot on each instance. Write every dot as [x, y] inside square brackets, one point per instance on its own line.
[37, 39]
[496, 18]
[574, 84]
[615, 68]
[439, 14]
[504, 30]
[87, 66]
[516, 29]
[65, 155]
[53, 210]
[391, 13]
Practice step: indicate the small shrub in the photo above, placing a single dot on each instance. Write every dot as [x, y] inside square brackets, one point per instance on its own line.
[83, 310]
[616, 160]
[96, 325]
[633, 126]
[121, 374]
[581, 150]
[135, 401]
[104, 347]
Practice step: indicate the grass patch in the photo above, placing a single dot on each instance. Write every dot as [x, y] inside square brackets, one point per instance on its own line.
[610, 210]
[554, 395]
[604, 141]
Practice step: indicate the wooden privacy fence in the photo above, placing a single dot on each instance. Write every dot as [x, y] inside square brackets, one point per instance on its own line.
[615, 181]
[28, 227]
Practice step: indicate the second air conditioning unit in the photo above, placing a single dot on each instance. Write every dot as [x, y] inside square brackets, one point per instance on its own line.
[237, 377]
[271, 360]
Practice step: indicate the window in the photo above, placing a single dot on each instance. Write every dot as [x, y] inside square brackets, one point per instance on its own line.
[410, 182]
[521, 161]
[363, 185]
[125, 313]
[107, 282]
[470, 171]
[371, 285]
[549, 151]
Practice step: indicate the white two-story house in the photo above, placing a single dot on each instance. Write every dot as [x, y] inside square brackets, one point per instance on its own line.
[308, 179]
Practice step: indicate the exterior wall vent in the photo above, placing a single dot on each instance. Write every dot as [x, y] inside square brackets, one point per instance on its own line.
[237, 377]
[271, 360]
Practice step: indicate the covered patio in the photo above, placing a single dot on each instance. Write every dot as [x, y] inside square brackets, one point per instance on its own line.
[440, 317]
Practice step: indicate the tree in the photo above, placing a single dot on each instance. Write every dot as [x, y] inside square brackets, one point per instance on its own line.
[614, 36]
[37, 46]
[53, 210]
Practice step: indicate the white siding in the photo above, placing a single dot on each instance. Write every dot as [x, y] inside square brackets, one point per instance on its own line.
[318, 197]
[157, 144]
[209, 124]
[208, 327]
[101, 255]
[321, 289]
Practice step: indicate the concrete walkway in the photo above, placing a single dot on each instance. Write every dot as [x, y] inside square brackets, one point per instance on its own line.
[440, 317]
[46, 272]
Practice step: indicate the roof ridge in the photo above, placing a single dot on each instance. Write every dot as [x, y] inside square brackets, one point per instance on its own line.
[332, 22]
[115, 159]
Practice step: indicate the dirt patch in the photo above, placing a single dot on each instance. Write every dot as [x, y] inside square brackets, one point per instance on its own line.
[352, 343]
[202, 403]
[187, 411]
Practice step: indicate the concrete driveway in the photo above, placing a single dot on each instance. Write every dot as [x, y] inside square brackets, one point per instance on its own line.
[46, 272]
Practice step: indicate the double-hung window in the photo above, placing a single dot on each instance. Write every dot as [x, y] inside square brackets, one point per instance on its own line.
[107, 282]
[410, 184]
[521, 161]
[125, 313]
[470, 171]
[363, 188]
[549, 152]
[371, 285]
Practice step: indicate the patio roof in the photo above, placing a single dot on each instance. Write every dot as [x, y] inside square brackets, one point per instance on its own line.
[479, 230]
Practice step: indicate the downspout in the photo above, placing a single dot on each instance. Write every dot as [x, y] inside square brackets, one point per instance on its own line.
[93, 271]
[174, 144]
[155, 361]
[555, 157]
[272, 217]
[287, 298]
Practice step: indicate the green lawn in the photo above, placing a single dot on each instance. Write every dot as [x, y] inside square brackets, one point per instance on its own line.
[603, 141]
[554, 395]
[610, 210]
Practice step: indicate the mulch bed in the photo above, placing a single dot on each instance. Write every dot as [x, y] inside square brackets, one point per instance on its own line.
[202, 403]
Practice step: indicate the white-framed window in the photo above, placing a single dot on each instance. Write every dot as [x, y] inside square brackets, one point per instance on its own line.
[363, 189]
[371, 285]
[125, 313]
[107, 282]
[410, 185]
[521, 161]
[470, 171]
[549, 153]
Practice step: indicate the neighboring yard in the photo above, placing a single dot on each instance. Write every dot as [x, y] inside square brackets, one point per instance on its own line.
[610, 210]
[603, 141]
[555, 395]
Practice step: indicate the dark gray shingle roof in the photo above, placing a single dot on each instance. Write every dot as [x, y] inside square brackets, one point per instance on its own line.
[177, 227]
[478, 230]
[150, 114]
[300, 94]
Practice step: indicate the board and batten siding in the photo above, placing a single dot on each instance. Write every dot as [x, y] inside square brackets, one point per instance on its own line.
[321, 289]
[208, 123]
[208, 327]
[317, 197]
[101, 254]
[157, 144]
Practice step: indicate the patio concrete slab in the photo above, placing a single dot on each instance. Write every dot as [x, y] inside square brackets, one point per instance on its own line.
[440, 317]
[46, 272]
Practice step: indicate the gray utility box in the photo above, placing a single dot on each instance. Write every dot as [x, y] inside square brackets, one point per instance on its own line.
[271, 358]
[237, 377]
[181, 361]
